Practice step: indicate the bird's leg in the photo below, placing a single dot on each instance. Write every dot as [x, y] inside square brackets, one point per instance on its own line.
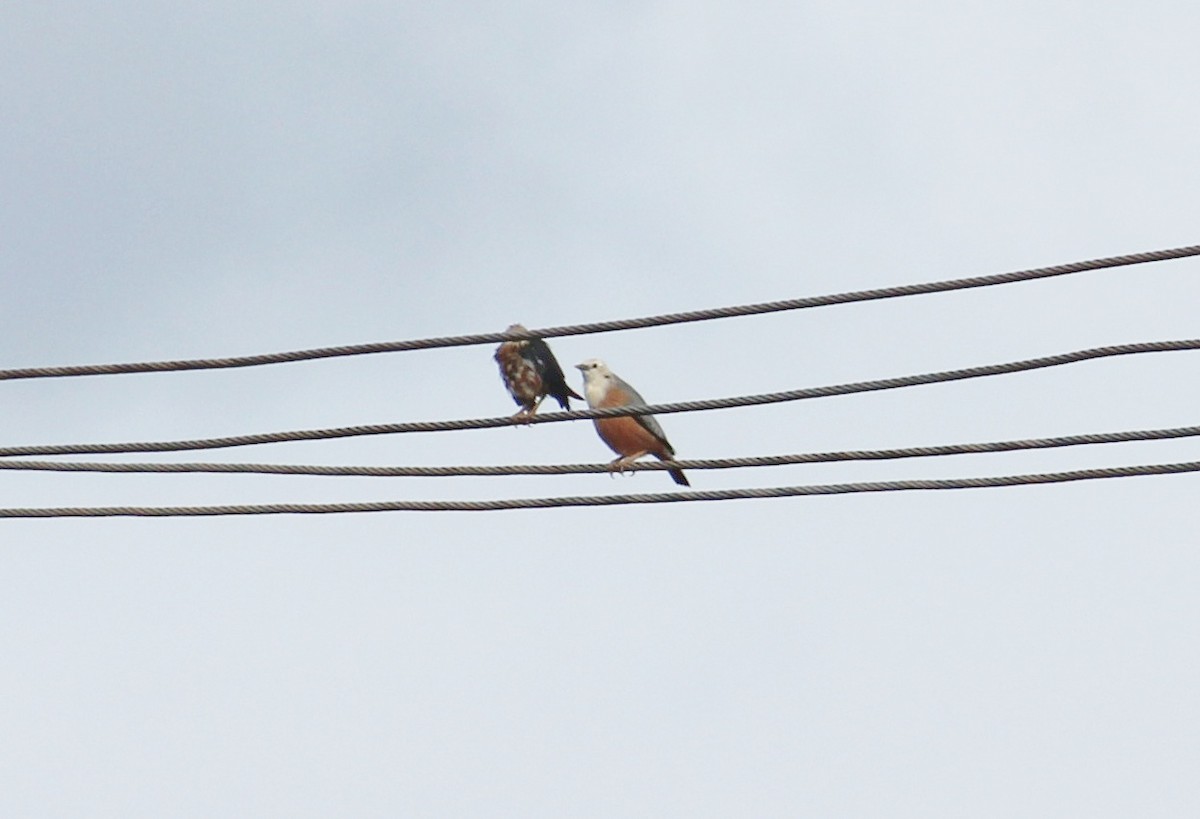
[525, 414]
[619, 464]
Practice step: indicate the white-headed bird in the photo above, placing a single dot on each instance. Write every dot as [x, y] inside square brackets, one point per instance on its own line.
[630, 436]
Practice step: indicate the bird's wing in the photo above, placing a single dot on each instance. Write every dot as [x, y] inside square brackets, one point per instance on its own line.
[648, 421]
[537, 352]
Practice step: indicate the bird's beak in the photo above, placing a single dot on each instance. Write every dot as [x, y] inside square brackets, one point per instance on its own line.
[579, 367]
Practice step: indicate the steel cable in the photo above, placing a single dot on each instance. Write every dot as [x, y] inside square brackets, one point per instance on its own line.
[579, 469]
[602, 326]
[575, 415]
[600, 500]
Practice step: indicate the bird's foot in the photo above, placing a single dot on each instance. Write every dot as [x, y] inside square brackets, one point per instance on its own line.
[618, 467]
[523, 416]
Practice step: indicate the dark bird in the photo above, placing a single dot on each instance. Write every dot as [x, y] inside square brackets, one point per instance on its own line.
[531, 372]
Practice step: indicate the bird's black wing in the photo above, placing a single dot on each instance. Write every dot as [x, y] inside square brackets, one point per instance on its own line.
[537, 352]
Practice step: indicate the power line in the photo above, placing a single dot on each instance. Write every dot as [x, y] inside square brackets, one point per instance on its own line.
[575, 415]
[600, 500]
[603, 326]
[573, 469]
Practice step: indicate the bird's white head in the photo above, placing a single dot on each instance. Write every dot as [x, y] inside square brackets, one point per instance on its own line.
[596, 378]
[592, 368]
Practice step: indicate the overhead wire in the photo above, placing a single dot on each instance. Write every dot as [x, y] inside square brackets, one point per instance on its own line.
[575, 469]
[689, 406]
[575, 415]
[874, 294]
[600, 500]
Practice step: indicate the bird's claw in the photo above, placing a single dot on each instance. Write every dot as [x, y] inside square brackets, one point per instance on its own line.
[618, 467]
[522, 416]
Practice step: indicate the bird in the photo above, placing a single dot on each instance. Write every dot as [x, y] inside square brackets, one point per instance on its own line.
[630, 436]
[531, 372]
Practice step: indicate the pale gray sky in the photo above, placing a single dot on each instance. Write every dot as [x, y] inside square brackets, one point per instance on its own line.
[223, 179]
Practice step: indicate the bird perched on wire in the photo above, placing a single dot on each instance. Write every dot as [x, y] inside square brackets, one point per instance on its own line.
[630, 436]
[531, 372]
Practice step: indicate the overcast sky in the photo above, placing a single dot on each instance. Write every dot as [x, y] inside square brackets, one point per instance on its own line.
[192, 180]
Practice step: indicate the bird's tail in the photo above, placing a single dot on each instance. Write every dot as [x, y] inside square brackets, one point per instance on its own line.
[564, 398]
[676, 474]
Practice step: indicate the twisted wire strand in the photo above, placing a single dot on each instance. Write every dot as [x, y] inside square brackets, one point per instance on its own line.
[575, 415]
[600, 500]
[602, 326]
[576, 469]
